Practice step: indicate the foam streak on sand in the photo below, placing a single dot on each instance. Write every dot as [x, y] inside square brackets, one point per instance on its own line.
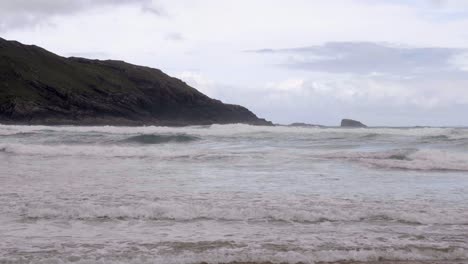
[233, 194]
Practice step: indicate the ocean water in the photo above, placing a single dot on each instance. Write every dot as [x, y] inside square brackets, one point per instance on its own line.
[233, 193]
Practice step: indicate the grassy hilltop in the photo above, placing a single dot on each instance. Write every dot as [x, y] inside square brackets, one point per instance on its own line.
[39, 87]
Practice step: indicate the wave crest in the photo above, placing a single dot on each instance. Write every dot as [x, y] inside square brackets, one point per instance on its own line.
[408, 159]
[160, 139]
[183, 211]
[238, 253]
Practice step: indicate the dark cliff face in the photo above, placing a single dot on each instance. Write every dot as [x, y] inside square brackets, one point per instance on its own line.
[39, 87]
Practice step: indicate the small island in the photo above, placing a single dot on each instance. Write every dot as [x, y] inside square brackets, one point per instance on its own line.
[352, 123]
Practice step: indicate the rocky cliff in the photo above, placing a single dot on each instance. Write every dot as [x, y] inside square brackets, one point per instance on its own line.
[39, 87]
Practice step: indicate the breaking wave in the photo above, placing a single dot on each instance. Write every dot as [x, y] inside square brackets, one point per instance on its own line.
[146, 150]
[408, 159]
[242, 129]
[183, 211]
[77, 150]
[438, 137]
[243, 254]
[159, 139]
[232, 194]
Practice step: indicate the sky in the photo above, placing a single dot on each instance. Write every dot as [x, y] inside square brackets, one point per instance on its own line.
[394, 62]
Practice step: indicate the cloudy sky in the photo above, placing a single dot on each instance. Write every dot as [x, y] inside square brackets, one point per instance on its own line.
[382, 62]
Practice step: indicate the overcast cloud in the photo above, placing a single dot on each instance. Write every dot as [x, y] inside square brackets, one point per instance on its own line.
[368, 57]
[27, 13]
[383, 62]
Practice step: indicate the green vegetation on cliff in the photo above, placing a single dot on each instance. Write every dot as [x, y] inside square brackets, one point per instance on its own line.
[39, 87]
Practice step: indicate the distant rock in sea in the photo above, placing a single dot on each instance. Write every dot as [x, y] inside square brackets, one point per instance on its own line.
[351, 123]
[303, 125]
[39, 87]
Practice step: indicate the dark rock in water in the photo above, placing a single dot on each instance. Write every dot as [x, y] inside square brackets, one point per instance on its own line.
[351, 123]
[303, 125]
[39, 87]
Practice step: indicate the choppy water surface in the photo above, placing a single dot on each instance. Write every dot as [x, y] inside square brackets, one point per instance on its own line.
[232, 193]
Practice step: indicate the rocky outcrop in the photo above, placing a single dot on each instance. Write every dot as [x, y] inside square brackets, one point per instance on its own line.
[39, 87]
[351, 123]
[303, 125]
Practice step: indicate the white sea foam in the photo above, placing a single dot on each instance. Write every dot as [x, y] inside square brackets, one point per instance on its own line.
[257, 254]
[409, 159]
[93, 150]
[239, 130]
[184, 211]
[227, 193]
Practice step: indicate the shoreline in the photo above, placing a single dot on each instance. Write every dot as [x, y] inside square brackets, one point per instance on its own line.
[338, 262]
[177, 125]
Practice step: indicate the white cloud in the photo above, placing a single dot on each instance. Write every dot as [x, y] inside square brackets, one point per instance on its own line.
[366, 58]
[199, 82]
[174, 36]
[25, 13]
[290, 85]
[460, 61]
[203, 41]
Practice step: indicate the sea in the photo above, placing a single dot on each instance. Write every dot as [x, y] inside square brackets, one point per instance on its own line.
[233, 194]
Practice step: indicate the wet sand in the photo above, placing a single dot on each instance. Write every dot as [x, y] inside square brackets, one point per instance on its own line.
[369, 262]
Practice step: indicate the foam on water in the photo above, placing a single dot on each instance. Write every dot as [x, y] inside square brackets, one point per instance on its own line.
[159, 139]
[232, 193]
[254, 254]
[114, 151]
[241, 129]
[315, 212]
[408, 159]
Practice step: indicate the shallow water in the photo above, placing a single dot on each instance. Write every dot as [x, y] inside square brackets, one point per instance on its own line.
[228, 193]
